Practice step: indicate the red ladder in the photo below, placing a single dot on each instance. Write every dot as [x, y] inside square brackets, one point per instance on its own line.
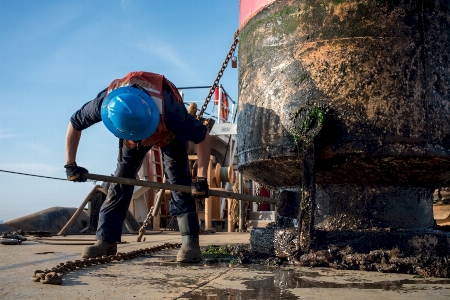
[157, 175]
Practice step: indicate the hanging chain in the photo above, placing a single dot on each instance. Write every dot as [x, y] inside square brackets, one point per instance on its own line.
[54, 275]
[147, 221]
[219, 75]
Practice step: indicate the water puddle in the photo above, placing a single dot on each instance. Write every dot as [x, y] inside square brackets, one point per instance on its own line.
[266, 294]
[263, 281]
[291, 279]
[277, 285]
[184, 265]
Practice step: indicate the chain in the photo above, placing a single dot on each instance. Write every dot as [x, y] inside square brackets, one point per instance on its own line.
[54, 275]
[147, 220]
[219, 75]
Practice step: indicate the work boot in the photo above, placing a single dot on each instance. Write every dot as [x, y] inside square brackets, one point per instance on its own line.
[190, 248]
[100, 248]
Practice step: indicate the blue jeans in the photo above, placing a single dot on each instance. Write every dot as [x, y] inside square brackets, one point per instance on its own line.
[176, 170]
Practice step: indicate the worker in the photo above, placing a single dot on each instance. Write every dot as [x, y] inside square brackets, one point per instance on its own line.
[144, 110]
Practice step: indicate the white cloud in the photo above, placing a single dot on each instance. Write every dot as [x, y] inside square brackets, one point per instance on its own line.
[6, 133]
[156, 47]
[38, 148]
[124, 3]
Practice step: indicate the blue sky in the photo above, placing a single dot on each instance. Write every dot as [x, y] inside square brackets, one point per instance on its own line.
[55, 55]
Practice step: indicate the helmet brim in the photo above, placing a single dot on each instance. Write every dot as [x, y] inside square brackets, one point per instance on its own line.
[127, 135]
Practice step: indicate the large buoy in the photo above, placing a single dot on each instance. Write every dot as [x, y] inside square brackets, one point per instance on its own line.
[381, 68]
[368, 84]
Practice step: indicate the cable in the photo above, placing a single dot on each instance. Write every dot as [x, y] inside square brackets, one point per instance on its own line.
[33, 175]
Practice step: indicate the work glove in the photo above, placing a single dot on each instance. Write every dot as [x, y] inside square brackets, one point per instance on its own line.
[199, 188]
[75, 173]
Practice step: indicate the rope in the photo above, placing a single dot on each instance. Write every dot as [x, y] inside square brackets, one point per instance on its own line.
[72, 240]
[48, 177]
[50, 241]
[62, 243]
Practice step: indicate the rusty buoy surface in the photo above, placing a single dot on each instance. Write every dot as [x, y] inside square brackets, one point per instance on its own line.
[367, 83]
[379, 70]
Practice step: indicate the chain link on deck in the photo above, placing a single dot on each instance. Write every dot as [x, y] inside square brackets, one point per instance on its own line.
[219, 75]
[54, 275]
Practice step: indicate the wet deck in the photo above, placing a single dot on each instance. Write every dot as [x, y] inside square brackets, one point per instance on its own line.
[160, 277]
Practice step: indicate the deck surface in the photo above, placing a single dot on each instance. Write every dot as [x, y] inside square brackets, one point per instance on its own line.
[160, 277]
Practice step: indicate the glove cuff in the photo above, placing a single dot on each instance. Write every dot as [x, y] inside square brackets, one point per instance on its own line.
[74, 164]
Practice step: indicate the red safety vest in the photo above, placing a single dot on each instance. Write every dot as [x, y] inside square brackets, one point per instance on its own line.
[152, 83]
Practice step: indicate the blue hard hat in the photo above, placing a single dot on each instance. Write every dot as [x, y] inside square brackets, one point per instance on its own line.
[130, 114]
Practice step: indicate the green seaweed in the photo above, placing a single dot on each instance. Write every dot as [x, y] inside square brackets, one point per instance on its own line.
[307, 117]
[289, 22]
